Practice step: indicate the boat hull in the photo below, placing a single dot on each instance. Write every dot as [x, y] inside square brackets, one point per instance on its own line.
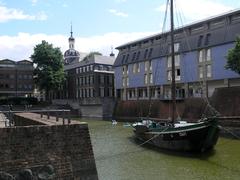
[200, 137]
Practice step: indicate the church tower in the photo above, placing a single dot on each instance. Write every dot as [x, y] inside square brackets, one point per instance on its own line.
[71, 40]
[71, 55]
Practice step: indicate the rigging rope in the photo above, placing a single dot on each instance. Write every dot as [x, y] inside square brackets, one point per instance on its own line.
[156, 70]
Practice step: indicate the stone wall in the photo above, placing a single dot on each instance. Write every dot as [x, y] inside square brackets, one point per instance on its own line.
[67, 148]
[90, 107]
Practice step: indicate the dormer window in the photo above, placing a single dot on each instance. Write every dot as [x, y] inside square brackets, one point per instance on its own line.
[207, 38]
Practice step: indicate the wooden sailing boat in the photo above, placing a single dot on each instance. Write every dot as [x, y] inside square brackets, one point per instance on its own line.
[179, 136]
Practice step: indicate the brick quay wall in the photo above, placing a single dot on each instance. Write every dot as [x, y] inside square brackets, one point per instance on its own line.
[34, 144]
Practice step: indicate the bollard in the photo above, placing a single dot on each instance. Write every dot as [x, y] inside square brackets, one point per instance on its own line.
[48, 116]
[63, 117]
[9, 118]
[69, 119]
[57, 116]
[41, 114]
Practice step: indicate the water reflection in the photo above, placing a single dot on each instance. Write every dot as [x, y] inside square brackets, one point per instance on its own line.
[120, 157]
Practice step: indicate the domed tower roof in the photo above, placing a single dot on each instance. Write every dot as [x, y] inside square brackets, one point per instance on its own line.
[71, 54]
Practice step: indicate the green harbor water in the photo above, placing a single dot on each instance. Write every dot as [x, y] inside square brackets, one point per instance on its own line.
[120, 157]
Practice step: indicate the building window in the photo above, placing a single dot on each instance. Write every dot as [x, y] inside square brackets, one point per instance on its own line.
[145, 53]
[101, 91]
[169, 75]
[208, 57]
[146, 65]
[176, 47]
[140, 93]
[101, 79]
[209, 71]
[150, 65]
[80, 70]
[123, 82]
[145, 79]
[110, 79]
[177, 60]
[123, 58]
[76, 70]
[150, 53]
[87, 80]
[127, 79]
[178, 75]
[151, 78]
[138, 55]
[200, 56]
[200, 72]
[126, 69]
[207, 39]
[200, 38]
[134, 67]
[138, 67]
[134, 56]
[127, 58]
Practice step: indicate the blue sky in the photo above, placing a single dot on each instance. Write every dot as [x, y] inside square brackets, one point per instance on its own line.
[97, 24]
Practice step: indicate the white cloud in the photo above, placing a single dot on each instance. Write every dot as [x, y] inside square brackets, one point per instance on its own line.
[198, 9]
[118, 13]
[7, 14]
[34, 2]
[21, 46]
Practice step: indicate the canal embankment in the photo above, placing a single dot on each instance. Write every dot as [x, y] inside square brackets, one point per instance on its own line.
[39, 145]
[225, 103]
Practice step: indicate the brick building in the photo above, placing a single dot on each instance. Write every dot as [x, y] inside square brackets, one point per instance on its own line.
[88, 76]
[16, 78]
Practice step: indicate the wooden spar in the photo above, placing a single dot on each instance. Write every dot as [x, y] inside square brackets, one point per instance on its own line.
[173, 63]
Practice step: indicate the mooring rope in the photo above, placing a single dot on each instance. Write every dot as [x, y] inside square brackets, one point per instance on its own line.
[152, 137]
[233, 134]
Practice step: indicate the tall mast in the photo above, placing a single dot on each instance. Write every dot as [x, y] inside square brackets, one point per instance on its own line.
[173, 63]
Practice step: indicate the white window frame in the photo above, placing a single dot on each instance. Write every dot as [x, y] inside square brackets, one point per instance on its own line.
[208, 54]
[177, 60]
[150, 65]
[200, 56]
[200, 72]
[150, 78]
[169, 75]
[209, 70]
[146, 66]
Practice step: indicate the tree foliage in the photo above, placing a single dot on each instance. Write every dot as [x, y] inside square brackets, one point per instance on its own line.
[49, 72]
[233, 57]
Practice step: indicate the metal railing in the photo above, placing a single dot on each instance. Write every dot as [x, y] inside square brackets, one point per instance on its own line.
[64, 114]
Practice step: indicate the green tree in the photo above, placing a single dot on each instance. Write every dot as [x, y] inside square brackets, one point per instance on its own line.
[233, 57]
[49, 72]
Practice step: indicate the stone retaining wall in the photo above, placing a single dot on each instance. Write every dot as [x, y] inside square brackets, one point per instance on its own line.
[67, 148]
